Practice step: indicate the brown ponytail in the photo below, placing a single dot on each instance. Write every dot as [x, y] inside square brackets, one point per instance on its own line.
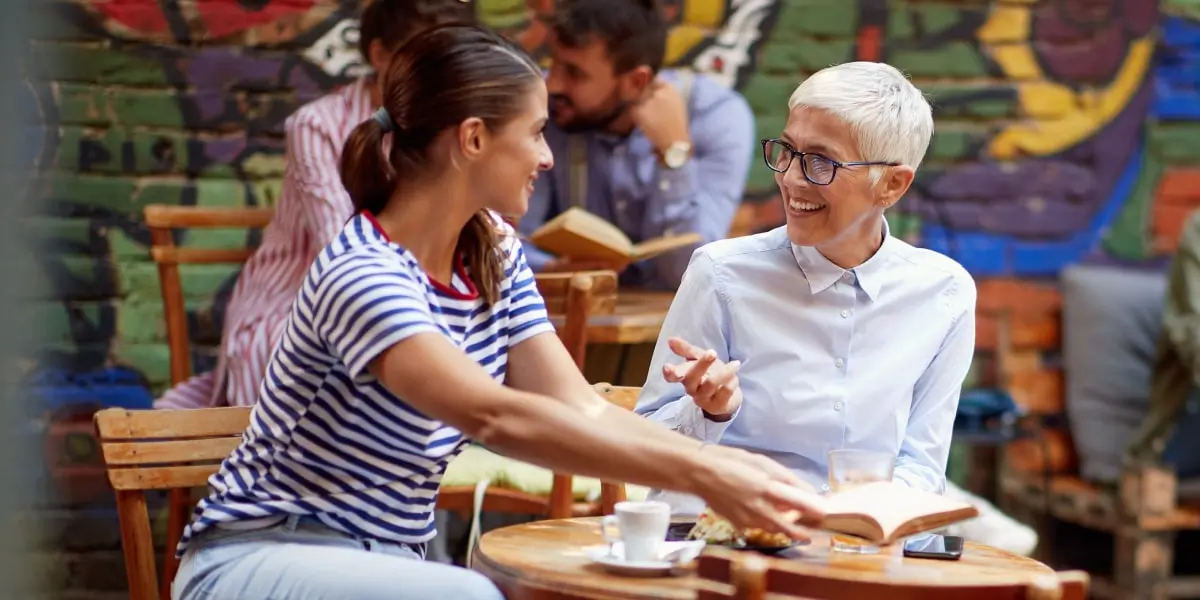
[366, 171]
[479, 245]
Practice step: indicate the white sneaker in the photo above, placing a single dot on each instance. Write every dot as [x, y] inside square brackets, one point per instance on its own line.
[992, 527]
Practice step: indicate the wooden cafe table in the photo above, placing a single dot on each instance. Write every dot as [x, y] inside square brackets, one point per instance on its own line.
[545, 560]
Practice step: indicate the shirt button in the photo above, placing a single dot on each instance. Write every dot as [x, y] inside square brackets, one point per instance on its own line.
[664, 185]
[824, 487]
[845, 313]
[839, 362]
[848, 277]
[837, 405]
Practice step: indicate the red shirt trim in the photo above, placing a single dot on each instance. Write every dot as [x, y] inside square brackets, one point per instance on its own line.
[459, 268]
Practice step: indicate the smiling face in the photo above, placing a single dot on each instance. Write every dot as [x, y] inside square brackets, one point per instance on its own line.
[841, 219]
[513, 155]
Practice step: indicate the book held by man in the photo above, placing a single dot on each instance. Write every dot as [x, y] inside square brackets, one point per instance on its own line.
[577, 234]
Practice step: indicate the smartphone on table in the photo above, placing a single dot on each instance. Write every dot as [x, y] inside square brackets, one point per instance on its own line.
[940, 547]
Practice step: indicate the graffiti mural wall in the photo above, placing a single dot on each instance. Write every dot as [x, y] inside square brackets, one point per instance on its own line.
[1067, 130]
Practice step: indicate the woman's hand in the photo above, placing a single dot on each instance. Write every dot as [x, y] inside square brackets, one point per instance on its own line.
[754, 491]
[712, 384]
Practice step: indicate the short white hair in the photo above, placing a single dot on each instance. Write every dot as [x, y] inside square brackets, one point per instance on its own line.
[890, 119]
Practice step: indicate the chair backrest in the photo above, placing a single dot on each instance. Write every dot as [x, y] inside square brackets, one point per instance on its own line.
[160, 450]
[572, 299]
[734, 575]
[162, 221]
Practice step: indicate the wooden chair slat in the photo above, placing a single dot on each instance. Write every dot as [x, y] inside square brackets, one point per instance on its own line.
[176, 217]
[160, 478]
[604, 283]
[175, 451]
[598, 305]
[199, 256]
[122, 424]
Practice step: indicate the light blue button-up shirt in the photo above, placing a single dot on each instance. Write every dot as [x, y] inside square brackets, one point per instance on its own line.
[869, 358]
[627, 185]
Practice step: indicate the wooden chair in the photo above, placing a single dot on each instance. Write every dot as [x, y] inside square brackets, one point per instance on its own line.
[162, 221]
[172, 450]
[571, 299]
[738, 575]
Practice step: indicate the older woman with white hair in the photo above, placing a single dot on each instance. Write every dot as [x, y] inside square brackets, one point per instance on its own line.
[838, 334]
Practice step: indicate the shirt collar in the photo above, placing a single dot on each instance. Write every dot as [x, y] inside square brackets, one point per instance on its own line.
[821, 274]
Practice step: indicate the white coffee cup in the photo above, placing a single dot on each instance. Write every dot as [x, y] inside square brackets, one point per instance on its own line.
[642, 528]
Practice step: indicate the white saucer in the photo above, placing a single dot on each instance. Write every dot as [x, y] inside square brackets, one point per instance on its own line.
[612, 558]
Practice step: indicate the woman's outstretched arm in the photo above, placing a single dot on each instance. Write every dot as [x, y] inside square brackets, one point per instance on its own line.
[542, 365]
[585, 435]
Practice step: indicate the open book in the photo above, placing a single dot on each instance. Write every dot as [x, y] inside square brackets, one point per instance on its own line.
[884, 512]
[580, 235]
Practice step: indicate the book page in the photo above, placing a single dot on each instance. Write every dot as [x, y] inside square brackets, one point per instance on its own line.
[897, 508]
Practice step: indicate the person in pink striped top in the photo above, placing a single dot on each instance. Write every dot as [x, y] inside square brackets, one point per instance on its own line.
[312, 209]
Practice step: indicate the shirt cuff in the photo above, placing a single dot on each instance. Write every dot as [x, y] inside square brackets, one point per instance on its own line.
[675, 183]
[918, 478]
[693, 424]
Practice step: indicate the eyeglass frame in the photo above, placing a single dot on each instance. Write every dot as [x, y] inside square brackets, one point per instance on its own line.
[804, 170]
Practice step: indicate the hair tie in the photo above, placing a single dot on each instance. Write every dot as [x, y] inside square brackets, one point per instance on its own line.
[382, 117]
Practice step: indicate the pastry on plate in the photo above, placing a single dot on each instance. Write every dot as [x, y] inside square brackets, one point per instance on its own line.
[715, 529]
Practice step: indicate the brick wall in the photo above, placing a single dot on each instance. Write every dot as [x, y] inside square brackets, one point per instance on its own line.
[1067, 132]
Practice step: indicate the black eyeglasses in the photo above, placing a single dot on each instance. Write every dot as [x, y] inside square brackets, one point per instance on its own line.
[817, 169]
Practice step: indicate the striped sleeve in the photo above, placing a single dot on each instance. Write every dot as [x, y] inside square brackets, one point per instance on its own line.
[366, 305]
[527, 315]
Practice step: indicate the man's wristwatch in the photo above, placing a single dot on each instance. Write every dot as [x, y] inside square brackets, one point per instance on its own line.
[716, 418]
[677, 154]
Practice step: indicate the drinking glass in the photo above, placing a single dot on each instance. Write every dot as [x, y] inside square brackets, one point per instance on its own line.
[852, 468]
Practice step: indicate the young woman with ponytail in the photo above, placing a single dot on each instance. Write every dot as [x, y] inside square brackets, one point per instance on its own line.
[417, 328]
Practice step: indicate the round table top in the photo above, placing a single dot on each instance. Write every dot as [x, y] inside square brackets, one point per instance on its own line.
[545, 556]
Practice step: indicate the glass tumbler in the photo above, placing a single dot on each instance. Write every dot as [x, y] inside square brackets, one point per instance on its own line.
[852, 468]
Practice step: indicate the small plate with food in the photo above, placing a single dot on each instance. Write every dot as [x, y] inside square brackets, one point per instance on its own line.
[716, 530]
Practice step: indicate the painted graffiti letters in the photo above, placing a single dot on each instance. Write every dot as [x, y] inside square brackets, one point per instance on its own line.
[144, 154]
